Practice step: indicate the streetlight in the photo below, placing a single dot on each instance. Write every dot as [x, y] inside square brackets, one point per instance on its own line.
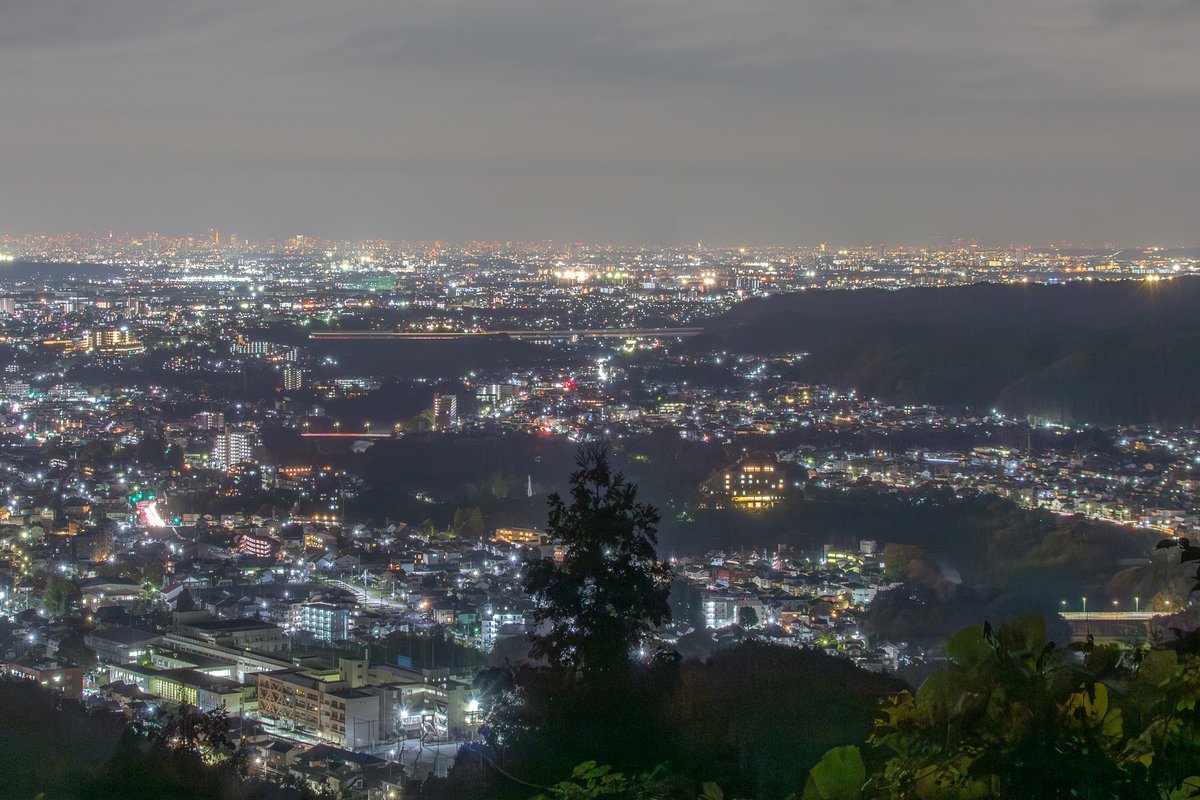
[1137, 604]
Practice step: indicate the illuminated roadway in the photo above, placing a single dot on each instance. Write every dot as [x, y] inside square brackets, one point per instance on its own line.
[368, 596]
[153, 518]
[573, 333]
[335, 435]
[1109, 616]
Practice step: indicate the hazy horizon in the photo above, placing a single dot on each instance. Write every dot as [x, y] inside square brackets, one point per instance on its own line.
[661, 121]
[947, 243]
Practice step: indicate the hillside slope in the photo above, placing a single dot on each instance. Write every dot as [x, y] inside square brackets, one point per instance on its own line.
[1107, 353]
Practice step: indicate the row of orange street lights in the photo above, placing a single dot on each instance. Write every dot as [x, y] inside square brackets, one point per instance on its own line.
[1137, 604]
[337, 426]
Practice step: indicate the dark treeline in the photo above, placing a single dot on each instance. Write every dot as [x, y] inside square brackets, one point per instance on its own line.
[52, 748]
[755, 718]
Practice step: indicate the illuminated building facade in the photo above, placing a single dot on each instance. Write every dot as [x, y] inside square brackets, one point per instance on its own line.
[445, 412]
[755, 484]
[232, 447]
[325, 621]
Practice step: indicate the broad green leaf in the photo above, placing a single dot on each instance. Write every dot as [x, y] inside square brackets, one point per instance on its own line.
[1188, 790]
[839, 775]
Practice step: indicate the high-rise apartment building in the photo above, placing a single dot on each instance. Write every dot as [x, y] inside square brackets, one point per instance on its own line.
[325, 621]
[114, 342]
[232, 447]
[445, 412]
[496, 394]
[209, 420]
[293, 378]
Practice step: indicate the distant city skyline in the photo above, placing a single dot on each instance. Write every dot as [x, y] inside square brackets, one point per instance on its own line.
[642, 122]
[217, 237]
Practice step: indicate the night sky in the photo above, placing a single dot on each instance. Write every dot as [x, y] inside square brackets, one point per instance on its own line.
[655, 121]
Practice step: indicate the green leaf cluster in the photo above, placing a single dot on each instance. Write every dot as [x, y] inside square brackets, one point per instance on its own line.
[1011, 715]
[592, 781]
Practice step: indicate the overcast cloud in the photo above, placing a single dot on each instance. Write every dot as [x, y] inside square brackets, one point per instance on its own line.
[731, 121]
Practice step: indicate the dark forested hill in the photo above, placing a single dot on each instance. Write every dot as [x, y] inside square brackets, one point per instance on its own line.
[1109, 352]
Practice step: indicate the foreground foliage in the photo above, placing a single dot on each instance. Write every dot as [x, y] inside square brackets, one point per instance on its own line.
[53, 748]
[753, 719]
[1011, 715]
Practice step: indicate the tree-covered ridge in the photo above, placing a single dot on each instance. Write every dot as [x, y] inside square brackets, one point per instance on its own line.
[53, 748]
[1116, 352]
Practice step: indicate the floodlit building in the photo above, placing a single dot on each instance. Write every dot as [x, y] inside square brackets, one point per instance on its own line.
[193, 687]
[331, 711]
[121, 645]
[293, 378]
[445, 412]
[57, 676]
[237, 634]
[114, 342]
[520, 536]
[496, 394]
[325, 621]
[232, 447]
[755, 484]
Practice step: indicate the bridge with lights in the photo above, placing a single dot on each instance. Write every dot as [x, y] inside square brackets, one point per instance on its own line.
[1110, 626]
[571, 333]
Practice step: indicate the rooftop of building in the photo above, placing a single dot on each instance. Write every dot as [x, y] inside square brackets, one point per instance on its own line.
[230, 625]
[124, 635]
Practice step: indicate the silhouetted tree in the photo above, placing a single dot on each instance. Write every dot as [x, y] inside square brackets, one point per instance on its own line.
[687, 605]
[610, 588]
[468, 522]
[185, 601]
[60, 592]
[747, 616]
